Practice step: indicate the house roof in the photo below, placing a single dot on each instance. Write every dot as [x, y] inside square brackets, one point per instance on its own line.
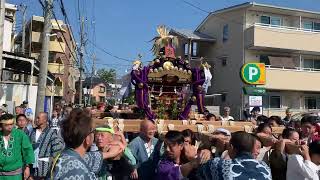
[194, 35]
[254, 4]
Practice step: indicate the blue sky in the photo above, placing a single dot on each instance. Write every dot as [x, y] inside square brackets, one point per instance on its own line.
[124, 27]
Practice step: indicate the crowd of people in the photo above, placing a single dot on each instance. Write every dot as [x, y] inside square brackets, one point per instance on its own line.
[67, 145]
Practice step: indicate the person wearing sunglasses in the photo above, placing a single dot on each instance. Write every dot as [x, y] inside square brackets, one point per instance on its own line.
[16, 153]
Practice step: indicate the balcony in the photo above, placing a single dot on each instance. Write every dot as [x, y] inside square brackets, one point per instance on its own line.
[297, 79]
[56, 68]
[36, 36]
[262, 36]
[56, 46]
[56, 91]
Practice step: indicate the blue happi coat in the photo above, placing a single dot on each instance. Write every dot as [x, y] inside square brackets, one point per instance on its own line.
[71, 165]
[243, 167]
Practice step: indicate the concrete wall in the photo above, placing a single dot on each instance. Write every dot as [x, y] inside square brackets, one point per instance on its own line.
[226, 78]
[15, 94]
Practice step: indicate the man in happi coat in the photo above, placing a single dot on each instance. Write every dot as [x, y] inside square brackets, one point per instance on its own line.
[16, 153]
[145, 150]
[46, 145]
[74, 162]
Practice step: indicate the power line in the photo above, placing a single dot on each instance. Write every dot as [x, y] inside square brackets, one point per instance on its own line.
[108, 53]
[194, 6]
[219, 17]
[41, 3]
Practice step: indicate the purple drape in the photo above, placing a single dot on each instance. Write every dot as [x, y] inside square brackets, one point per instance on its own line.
[139, 79]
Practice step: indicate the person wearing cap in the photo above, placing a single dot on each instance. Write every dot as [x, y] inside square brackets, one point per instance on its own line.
[16, 153]
[28, 111]
[121, 166]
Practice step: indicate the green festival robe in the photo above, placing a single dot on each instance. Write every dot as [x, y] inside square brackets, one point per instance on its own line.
[18, 153]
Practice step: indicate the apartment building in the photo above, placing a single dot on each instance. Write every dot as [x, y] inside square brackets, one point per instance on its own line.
[9, 26]
[285, 39]
[62, 54]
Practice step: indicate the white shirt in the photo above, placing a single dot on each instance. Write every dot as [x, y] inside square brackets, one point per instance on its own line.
[6, 142]
[226, 118]
[149, 149]
[300, 169]
[38, 133]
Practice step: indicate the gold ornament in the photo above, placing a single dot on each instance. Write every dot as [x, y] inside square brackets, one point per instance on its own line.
[136, 62]
[167, 65]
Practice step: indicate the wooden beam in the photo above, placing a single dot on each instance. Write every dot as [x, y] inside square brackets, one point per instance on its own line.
[130, 125]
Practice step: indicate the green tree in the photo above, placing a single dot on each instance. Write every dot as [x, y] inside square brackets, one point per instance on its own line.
[108, 75]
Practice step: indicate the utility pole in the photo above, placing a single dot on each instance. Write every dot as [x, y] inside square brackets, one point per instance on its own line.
[42, 84]
[81, 58]
[24, 10]
[92, 76]
[2, 16]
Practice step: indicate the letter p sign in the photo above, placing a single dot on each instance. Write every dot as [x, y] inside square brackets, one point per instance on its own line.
[253, 73]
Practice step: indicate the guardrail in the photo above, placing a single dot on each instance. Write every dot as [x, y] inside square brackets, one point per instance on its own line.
[293, 69]
[285, 27]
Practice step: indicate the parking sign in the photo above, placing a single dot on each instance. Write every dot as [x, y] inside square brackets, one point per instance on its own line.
[254, 73]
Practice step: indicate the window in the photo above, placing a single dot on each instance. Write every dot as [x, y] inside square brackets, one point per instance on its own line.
[310, 103]
[311, 63]
[308, 63]
[275, 102]
[272, 20]
[316, 26]
[224, 61]
[186, 49]
[102, 89]
[223, 97]
[51, 57]
[276, 21]
[264, 59]
[194, 49]
[102, 99]
[225, 33]
[265, 20]
[309, 25]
